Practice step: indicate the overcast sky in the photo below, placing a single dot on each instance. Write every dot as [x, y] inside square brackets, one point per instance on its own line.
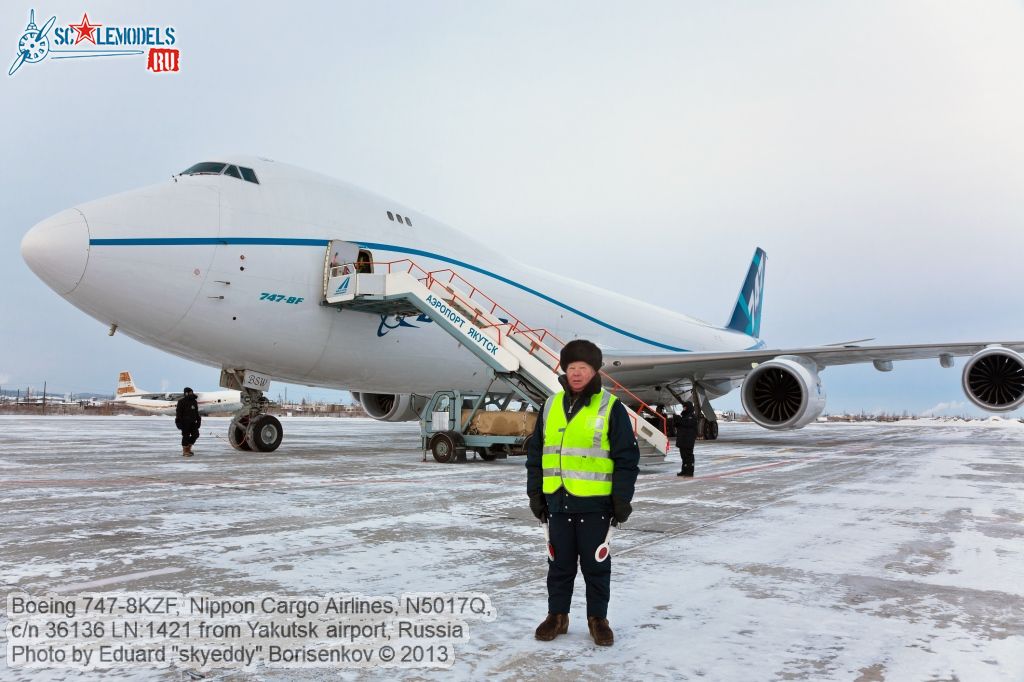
[873, 149]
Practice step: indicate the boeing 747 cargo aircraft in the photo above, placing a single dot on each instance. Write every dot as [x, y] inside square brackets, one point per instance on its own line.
[267, 271]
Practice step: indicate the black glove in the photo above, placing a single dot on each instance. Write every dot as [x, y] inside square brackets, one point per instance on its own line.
[539, 506]
[621, 510]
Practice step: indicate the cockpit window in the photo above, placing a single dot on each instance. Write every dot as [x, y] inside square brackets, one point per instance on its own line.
[218, 168]
[205, 168]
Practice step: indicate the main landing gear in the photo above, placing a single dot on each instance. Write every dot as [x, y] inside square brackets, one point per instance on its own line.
[252, 429]
[707, 421]
[708, 429]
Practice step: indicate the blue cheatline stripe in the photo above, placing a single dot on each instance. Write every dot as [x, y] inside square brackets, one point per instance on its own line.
[277, 241]
[199, 241]
[522, 287]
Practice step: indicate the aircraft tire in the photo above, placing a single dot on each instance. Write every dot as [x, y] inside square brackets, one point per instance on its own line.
[443, 446]
[264, 433]
[710, 430]
[236, 433]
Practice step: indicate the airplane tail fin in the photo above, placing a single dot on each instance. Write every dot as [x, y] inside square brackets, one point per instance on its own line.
[746, 316]
[125, 384]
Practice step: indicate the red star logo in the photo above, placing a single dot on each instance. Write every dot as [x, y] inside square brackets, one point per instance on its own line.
[85, 30]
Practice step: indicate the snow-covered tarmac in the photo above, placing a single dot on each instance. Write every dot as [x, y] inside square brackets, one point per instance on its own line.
[863, 552]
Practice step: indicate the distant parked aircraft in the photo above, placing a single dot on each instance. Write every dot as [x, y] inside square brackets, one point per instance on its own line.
[164, 403]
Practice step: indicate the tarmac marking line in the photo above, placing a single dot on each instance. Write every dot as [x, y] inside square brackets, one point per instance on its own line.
[127, 577]
[736, 472]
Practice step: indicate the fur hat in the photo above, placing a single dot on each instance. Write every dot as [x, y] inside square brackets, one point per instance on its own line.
[187, 390]
[580, 350]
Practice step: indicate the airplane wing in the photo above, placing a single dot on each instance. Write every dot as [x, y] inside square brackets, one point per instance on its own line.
[668, 367]
[782, 388]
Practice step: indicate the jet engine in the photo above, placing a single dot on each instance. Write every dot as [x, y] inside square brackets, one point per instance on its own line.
[783, 393]
[390, 407]
[993, 379]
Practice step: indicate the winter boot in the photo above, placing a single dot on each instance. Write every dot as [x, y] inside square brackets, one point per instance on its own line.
[186, 450]
[600, 631]
[686, 472]
[554, 625]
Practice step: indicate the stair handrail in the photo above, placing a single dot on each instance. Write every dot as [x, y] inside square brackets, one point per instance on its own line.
[516, 322]
[431, 277]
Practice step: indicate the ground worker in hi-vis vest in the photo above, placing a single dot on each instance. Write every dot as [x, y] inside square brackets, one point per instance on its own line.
[581, 465]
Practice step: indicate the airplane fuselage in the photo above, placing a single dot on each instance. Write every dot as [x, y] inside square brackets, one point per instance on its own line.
[230, 274]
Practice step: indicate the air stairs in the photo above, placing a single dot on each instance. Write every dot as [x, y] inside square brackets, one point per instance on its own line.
[518, 354]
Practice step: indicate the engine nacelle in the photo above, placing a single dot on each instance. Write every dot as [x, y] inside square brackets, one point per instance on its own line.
[783, 393]
[993, 379]
[390, 407]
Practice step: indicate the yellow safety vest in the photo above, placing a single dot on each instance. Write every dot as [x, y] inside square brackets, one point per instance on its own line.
[577, 454]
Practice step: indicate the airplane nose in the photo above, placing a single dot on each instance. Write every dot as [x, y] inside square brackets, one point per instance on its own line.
[57, 250]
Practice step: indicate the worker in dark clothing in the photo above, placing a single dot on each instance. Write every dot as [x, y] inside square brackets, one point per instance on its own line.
[188, 419]
[686, 436]
[581, 466]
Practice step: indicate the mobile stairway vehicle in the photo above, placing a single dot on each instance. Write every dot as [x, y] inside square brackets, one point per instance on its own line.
[520, 356]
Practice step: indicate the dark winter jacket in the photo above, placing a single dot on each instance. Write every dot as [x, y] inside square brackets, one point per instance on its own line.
[186, 416]
[624, 452]
[686, 428]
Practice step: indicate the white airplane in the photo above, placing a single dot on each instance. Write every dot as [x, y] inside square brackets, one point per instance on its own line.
[228, 264]
[167, 402]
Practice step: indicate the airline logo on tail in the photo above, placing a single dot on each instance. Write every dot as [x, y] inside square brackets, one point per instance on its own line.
[125, 384]
[754, 302]
[746, 316]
